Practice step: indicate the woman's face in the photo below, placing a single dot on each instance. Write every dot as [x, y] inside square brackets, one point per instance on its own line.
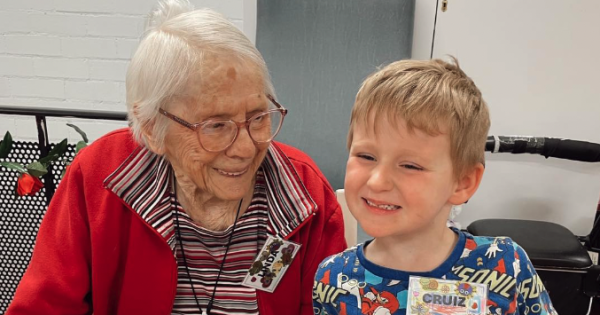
[226, 90]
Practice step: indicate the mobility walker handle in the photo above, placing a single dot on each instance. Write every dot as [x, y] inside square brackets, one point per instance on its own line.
[567, 149]
[549, 147]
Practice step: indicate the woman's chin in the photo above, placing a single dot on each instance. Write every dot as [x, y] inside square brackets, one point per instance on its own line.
[235, 191]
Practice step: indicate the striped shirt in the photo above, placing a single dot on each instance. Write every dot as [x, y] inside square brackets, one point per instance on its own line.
[280, 204]
[204, 253]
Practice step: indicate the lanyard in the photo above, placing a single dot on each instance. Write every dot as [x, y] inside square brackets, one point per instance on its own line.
[180, 239]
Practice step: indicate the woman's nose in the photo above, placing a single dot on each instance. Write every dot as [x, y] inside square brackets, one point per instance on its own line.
[243, 146]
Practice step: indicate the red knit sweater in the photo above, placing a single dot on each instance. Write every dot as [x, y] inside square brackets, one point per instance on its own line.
[96, 255]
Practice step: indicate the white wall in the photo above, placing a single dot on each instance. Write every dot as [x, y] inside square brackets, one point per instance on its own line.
[533, 61]
[423, 29]
[74, 54]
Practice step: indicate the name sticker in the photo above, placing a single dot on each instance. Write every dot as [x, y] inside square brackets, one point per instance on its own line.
[439, 296]
[271, 264]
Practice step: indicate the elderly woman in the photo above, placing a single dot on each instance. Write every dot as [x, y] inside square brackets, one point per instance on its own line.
[188, 211]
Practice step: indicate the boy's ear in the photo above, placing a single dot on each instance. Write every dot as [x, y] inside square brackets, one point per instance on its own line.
[147, 129]
[467, 185]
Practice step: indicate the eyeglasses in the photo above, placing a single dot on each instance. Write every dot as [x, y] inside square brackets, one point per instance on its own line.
[218, 135]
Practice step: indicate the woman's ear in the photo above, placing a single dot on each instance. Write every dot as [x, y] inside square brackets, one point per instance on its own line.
[147, 128]
[467, 185]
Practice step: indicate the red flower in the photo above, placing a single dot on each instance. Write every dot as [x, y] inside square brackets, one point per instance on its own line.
[28, 185]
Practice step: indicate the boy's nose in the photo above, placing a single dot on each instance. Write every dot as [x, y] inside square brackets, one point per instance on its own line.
[380, 180]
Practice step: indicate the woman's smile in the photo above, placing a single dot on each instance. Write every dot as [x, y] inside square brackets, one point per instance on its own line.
[232, 173]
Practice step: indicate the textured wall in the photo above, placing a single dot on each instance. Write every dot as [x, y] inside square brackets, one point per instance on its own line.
[74, 54]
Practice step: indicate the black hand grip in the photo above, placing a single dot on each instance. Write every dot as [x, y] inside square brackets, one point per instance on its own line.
[549, 147]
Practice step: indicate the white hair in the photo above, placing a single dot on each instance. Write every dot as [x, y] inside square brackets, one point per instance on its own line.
[176, 41]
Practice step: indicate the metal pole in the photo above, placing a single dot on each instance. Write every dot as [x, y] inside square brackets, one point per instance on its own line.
[44, 146]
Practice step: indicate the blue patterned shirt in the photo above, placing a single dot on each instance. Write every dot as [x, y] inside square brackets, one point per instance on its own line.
[348, 283]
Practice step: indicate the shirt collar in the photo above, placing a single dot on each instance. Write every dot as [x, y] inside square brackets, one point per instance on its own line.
[142, 182]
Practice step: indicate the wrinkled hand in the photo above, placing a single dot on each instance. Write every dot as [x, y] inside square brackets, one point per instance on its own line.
[492, 250]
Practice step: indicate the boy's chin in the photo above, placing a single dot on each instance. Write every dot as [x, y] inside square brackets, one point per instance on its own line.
[377, 231]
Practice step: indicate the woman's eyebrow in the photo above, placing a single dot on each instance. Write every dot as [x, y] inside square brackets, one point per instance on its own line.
[258, 110]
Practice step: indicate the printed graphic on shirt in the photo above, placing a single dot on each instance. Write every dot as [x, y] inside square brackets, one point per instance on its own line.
[343, 285]
[270, 266]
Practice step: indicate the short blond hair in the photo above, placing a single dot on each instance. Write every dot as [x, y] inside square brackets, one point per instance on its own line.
[433, 96]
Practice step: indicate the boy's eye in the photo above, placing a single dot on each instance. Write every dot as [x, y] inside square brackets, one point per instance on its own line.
[366, 157]
[411, 167]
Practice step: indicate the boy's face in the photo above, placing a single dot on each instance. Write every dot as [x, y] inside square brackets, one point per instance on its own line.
[398, 183]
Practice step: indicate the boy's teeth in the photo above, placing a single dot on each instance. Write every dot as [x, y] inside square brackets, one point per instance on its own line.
[384, 207]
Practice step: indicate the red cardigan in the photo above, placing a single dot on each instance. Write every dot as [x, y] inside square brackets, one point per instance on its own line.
[94, 254]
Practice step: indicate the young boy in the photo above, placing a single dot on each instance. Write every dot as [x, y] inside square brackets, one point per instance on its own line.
[416, 141]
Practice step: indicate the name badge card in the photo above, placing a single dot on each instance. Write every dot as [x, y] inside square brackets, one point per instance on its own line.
[271, 264]
[439, 296]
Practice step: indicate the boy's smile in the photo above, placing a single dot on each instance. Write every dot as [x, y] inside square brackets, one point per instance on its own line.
[381, 207]
[398, 183]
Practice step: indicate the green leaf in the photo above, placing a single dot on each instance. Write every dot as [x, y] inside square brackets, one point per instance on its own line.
[80, 145]
[83, 135]
[36, 169]
[58, 150]
[55, 154]
[6, 145]
[15, 166]
[49, 159]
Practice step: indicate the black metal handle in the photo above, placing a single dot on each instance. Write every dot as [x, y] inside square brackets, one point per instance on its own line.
[48, 112]
[549, 147]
